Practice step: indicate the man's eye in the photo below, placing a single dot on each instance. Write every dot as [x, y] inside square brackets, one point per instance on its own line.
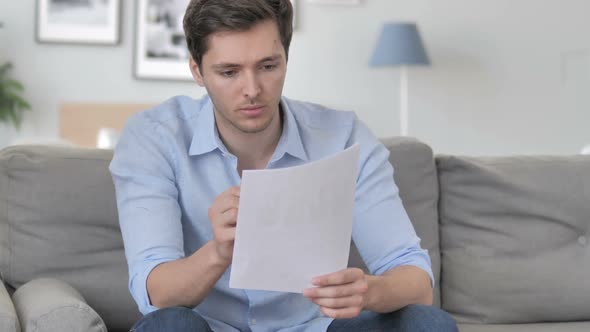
[228, 73]
[269, 67]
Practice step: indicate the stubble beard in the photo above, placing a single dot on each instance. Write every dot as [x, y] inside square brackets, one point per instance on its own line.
[245, 129]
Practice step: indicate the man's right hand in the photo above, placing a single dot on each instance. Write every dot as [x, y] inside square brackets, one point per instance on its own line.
[223, 215]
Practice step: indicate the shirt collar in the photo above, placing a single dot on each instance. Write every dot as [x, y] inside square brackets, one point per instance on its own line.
[206, 137]
[290, 141]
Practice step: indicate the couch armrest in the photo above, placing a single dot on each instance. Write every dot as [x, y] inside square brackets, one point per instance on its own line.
[49, 305]
[8, 319]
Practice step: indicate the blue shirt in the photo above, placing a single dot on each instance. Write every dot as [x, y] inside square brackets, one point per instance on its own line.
[170, 164]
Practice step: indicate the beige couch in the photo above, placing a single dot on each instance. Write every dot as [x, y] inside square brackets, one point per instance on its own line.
[509, 238]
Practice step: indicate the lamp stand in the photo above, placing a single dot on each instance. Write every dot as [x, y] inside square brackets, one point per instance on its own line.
[403, 97]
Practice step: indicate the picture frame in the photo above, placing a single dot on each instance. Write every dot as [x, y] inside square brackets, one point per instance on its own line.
[336, 2]
[295, 16]
[78, 21]
[160, 45]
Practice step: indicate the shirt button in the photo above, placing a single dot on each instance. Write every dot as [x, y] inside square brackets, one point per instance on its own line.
[582, 240]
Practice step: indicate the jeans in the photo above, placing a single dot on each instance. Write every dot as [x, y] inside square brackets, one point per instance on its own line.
[413, 318]
[177, 319]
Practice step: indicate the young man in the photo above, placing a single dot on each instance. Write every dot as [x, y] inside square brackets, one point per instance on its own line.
[177, 171]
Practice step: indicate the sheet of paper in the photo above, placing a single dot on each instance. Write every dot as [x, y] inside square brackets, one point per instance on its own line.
[294, 223]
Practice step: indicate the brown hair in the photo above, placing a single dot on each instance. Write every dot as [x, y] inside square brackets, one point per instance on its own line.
[205, 17]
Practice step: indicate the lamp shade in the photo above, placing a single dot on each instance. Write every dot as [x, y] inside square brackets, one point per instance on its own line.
[399, 45]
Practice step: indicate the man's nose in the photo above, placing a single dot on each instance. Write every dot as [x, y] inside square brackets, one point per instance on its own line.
[251, 87]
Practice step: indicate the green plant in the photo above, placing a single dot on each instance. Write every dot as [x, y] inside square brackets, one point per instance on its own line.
[12, 104]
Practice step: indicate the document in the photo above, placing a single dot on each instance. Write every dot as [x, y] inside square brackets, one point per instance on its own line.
[294, 223]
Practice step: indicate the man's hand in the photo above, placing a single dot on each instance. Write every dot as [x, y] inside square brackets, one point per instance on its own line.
[223, 215]
[341, 294]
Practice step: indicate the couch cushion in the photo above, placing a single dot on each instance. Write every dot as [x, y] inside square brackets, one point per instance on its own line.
[415, 175]
[58, 209]
[49, 305]
[416, 178]
[515, 238]
[8, 319]
[547, 327]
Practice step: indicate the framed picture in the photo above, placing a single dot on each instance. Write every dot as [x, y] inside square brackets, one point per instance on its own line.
[294, 3]
[79, 21]
[336, 2]
[160, 44]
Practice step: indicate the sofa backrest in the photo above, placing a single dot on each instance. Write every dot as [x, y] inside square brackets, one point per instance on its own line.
[515, 238]
[58, 219]
[415, 175]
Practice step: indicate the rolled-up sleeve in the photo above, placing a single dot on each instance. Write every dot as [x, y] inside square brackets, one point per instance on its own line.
[143, 172]
[382, 230]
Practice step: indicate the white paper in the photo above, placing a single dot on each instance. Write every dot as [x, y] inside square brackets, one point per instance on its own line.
[294, 223]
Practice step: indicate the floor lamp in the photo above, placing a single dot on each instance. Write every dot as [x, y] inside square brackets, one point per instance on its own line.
[400, 45]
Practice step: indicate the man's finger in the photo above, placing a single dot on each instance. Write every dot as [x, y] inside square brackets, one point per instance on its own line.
[228, 235]
[341, 313]
[228, 202]
[340, 302]
[223, 203]
[229, 199]
[339, 278]
[357, 287]
[235, 191]
[229, 218]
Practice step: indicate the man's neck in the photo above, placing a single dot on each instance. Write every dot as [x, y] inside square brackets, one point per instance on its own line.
[253, 150]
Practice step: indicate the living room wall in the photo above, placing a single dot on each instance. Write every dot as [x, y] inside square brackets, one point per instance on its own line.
[508, 77]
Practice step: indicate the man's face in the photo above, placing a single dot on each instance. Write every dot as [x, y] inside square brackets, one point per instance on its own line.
[244, 72]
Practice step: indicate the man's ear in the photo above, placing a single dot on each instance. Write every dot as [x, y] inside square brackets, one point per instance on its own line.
[196, 71]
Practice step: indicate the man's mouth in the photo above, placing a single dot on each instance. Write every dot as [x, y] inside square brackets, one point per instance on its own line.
[252, 110]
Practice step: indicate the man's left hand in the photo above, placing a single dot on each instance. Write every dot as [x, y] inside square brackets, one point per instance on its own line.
[341, 294]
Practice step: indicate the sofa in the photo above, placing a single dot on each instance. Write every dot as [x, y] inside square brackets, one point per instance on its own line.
[509, 238]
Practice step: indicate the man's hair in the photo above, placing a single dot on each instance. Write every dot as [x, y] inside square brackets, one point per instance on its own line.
[205, 17]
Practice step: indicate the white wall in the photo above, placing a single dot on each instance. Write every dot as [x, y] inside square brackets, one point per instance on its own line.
[508, 76]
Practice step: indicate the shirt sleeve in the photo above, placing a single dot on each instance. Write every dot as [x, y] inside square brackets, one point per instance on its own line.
[382, 230]
[147, 200]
